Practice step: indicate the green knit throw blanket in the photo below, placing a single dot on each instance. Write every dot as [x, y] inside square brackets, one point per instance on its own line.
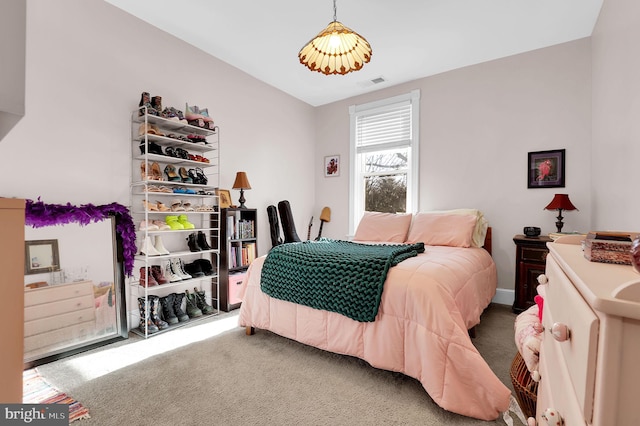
[333, 275]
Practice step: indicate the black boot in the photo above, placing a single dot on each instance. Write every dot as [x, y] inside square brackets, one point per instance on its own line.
[167, 309]
[274, 226]
[288, 226]
[201, 301]
[202, 241]
[192, 307]
[145, 320]
[193, 243]
[154, 304]
[177, 307]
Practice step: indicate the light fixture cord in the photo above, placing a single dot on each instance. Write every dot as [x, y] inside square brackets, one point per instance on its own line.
[335, 11]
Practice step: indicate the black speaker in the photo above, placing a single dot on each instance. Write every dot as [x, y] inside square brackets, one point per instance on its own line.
[531, 231]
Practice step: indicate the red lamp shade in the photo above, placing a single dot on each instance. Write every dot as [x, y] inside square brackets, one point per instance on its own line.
[561, 202]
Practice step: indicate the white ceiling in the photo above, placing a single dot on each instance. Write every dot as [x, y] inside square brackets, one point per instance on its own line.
[410, 39]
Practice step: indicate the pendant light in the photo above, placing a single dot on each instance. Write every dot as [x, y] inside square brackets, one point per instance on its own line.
[335, 50]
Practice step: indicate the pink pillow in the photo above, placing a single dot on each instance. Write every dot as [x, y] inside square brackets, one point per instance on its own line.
[441, 229]
[383, 227]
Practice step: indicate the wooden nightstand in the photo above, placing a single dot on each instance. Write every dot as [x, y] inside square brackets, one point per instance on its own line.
[531, 256]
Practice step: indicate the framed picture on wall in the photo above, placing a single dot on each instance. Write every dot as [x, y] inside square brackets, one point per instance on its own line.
[546, 169]
[332, 166]
[41, 256]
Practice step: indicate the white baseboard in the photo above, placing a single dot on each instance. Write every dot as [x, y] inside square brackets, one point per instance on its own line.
[504, 296]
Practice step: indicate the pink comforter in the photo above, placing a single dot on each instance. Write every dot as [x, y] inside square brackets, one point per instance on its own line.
[428, 304]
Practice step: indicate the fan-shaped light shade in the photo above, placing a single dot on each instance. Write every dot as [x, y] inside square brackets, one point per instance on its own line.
[336, 50]
[241, 182]
[561, 202]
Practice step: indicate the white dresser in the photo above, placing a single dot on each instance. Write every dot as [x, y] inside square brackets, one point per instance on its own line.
[590, 354]
[57, 316]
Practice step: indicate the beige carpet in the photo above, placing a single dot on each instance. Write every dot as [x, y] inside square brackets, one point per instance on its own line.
[234, 379]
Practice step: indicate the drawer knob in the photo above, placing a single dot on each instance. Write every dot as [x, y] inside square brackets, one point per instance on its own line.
[560, 332]
[542, 279]
[552, 417]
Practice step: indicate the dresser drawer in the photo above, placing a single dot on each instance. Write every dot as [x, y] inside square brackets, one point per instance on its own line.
[564, 305]
[532, 254]
[554, 391]
[48, 310]
[57, 292]
[60, 337]
[59, 321]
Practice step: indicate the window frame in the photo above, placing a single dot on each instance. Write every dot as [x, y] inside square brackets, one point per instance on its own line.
[356, 206]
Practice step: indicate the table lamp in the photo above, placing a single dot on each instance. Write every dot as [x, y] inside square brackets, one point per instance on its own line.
[560, 202]
[241, 183]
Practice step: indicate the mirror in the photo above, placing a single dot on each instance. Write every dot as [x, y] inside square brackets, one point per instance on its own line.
[41, 256]
[73, 289]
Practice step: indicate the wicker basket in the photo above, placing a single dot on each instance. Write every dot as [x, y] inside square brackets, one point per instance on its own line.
[526, 389]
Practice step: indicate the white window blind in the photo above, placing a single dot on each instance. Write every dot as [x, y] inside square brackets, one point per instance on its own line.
[390, 126]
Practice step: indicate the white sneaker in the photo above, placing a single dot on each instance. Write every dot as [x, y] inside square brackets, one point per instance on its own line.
[169, 274]
[176, 265]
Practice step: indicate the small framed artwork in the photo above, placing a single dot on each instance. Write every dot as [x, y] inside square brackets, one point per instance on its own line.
[332, 166]
[224, 198]
[546, 169]
[41, 256]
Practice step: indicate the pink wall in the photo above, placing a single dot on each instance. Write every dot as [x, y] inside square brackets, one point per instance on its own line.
[477, 125]
[616, 117]
[87, 63]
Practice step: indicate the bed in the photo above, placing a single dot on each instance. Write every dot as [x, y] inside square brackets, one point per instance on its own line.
[428, 305]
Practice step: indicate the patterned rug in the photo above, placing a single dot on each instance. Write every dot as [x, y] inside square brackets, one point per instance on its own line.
[36, 390]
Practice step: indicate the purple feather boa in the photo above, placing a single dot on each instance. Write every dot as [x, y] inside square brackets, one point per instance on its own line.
[39, 214]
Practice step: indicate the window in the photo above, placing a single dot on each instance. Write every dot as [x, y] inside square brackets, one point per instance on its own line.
[384, 157]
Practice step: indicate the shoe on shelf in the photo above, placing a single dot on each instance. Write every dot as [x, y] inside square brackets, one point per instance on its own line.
[146, 277]
[192, 307]
[176, 205]
[162, 207]
[194, 269]
[158, 274]
[148, 226]
[177, 307]
[185, 176]
[168, 312]
[173, 223]
[205, 266]
[146, 325]
[150, 207]
[170, 171]
[159, 246]
[148, 248]
[178, 268]
[154, 303]
[187, 206]
[192, 243]
[184, 220]
[201, 239]
[162, 226]
[201, 301]
[156, 174]
[170, 274]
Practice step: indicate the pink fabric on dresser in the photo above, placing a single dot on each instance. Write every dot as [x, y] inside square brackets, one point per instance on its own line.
[428, 304]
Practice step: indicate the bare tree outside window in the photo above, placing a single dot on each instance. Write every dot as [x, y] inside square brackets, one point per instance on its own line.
[385, 180]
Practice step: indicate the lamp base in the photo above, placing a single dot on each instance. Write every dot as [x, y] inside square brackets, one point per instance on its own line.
[559, 223]
[242, 200]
